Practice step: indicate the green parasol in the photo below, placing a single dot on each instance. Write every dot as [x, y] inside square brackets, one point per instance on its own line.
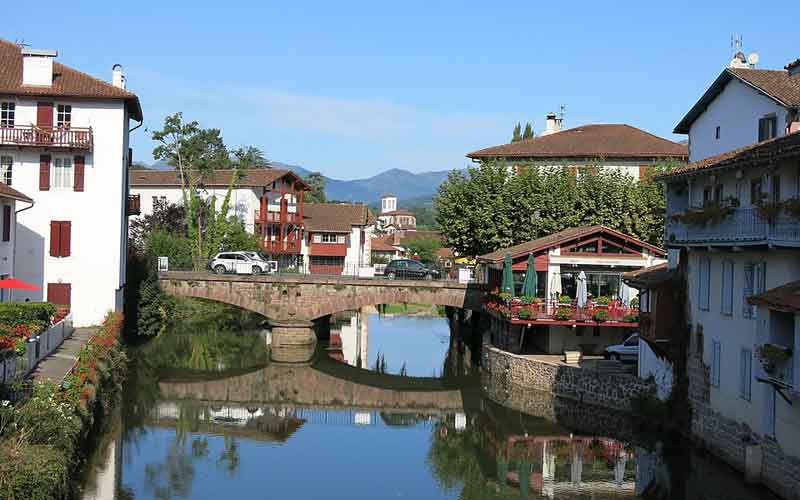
[508, 276]
[529, 286]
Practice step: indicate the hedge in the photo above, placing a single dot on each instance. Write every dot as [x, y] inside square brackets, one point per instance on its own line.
[33, 472]
[14, 313]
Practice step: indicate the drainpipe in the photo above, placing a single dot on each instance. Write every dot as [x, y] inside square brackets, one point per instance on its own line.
[14, 245]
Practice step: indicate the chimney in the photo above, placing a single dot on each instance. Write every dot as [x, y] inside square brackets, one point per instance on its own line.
[793, 67]
[739, 61]
[118, 77]
[37, 66]
[552, 124]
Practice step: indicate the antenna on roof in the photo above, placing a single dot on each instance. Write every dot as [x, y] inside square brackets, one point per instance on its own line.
[561, 112]
[21, 43]
[736, 42]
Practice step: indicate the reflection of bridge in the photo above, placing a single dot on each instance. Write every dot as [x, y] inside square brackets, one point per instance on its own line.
[291, 303]
[329, 384]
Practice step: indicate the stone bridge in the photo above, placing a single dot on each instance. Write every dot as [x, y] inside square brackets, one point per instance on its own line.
[292, 302]
[328, 384]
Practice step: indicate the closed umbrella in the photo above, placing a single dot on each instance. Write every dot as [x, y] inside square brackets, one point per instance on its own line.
[508, 275]
[625, 294]
[580, 293]
[530, 285]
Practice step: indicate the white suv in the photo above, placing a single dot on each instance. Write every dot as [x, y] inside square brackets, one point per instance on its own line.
[237, 262]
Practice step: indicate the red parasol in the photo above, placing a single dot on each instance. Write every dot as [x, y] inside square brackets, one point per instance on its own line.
[16, 284]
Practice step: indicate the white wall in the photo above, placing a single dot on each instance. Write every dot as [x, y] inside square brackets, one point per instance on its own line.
[96, 267]
[651, 365]
[736, 110]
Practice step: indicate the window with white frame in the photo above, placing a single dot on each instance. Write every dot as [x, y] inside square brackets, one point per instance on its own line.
[727, 288]
[6, 166]
[7, 114]
[755, 280]
[64, 115]
[716, 353]
[704, 283]
[63, 173]
[745, 374]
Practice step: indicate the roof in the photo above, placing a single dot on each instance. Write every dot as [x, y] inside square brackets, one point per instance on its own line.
[777, 148]
[335, 217]
[589, 141]
[399, 211]
[778, 85]
[257, 177]
[382, 244]
[784, 298]
[7, 191]
[67, 82]
[556, 239]
[648, 277]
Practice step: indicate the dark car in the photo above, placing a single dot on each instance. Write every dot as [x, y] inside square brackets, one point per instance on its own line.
[409, 269]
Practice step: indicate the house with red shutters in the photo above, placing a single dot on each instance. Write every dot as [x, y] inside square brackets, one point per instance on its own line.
[338, 238]
[64, 140]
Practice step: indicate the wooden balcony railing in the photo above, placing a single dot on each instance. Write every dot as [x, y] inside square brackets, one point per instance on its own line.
[275, 218]
[134, 204]
[271, 246]
[51, 137]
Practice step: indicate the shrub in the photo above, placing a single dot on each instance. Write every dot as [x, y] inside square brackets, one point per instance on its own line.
[600, 316]
[635, 302]
[526, 299]
[564, 314]
[631, 318]
[647, 405]
[565, 299]
[178, 249]
[506, 295]
[33, 472]
[603, 300]
[16, 313]
[524, 313]
[49, 419]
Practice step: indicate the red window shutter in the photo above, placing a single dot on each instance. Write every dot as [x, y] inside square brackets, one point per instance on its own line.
[80, 163]
[6, 223]
[66, 236]
[55, 239]
[44, 114]
[44, 173]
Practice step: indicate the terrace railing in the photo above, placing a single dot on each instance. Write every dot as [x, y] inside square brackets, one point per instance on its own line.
[744, 225]
[275, 217]
[50, 137]
[275, 246]
[549, 310]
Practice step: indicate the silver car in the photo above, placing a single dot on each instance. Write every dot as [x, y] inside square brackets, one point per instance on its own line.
[626, 351]
[237, 262]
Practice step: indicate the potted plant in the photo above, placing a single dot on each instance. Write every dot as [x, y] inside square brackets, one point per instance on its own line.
[565, 300]
[505, 296]
[524, 313]
[603, 301]
[600, 315]
[631, 318]
[564, 314]
[635, 302]
[772, 354]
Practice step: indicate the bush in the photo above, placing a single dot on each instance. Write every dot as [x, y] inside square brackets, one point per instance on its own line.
[565, 299]
[17, 313]
[603, 300]
[33, 472]
[600, 316]
[635, 302]
[178, 249]
[564, 314]
[647, 405]
[524, 313]
[631, 318]
[153, 309]
[49, 419]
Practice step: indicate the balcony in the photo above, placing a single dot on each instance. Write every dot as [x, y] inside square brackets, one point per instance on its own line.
[275, 218]
[47, 137]
[271, 246]
[744, 226]
[551, 312]
[134, 204]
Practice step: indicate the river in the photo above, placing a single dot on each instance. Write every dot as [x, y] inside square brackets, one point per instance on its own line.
[390, 407]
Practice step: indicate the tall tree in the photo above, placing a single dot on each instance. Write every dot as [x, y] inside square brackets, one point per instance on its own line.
[517, 136]
[247, 157]
[528, 133]
[317, 183]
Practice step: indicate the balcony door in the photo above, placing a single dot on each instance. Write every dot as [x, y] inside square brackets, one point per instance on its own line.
[44, 114]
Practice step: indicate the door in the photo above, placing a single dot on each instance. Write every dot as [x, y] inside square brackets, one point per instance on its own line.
[44, 121]
[241, 264]
[60, 294]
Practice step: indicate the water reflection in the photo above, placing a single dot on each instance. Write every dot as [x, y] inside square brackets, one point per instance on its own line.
[206, 415]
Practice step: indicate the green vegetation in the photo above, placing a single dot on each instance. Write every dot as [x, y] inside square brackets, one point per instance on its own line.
[488, 207]
[405, 309]
[424, 248]
[317, 193]
[19, 321]
[426, 217]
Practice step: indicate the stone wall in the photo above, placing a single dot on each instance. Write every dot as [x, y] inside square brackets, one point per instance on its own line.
[731, 440]
[511, 376]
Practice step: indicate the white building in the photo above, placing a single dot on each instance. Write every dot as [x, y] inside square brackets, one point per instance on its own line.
[743, 106]
[616, 147]
[730, 218]
[393, 219]
[64, 136]
[337, 238]
[8, 231]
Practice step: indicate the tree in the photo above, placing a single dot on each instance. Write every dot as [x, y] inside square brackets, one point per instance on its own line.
[424, 248]
[317, 183]
[248, 157]
[165, 216]
[517, 136]
[196, 154]
[528, 134]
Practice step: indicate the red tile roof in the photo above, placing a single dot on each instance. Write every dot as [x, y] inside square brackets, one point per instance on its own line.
[778, 85]
[589, 141]
[778, 148]
[257, 177]
[784, 298]
[7, 191]
[67, 82]
[648, 277]
[382, 244]
[335, 217]
[556, 239]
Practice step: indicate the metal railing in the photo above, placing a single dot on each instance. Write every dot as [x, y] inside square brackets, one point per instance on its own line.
[14, 368]
[32, 135]
[555, 311]
[743, 225]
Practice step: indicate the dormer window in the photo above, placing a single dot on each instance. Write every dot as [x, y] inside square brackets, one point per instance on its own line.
[64, 115]
[767, 128]
[7, 112]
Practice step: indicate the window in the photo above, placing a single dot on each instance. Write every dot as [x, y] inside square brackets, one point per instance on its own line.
[6, 166]
[159, 202]
[63, 173]
[745, 374]
[718, 190]
[64, 115]
[754, 283]
[60, 238]
[767, 128]
[706, 195]
[716, 133]
[703, 282]
[776, 188]
[715, 363]
[727, 288]
[7, 222]
[7, 112]
[755, 191]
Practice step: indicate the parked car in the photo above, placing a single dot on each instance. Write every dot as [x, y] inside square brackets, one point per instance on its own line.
[626, 351]
[237, 262]
[271, 265]
[409, 269]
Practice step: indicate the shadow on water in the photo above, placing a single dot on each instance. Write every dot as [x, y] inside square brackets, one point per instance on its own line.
[205, 413]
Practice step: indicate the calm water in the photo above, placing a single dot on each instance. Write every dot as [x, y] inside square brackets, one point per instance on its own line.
[391, 407]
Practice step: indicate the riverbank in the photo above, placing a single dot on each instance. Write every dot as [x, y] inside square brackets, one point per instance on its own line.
[42, 436]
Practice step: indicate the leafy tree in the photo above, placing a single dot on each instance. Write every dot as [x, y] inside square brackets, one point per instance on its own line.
[238, 239]
[317, 193]
[166, 217]
[517, 136]
[528, 133]
[425, 248]
[248, 157]
[426, 217]
[176, 248]
[154, 309]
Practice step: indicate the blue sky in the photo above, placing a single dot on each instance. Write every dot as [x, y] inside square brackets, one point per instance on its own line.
[351, 89]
